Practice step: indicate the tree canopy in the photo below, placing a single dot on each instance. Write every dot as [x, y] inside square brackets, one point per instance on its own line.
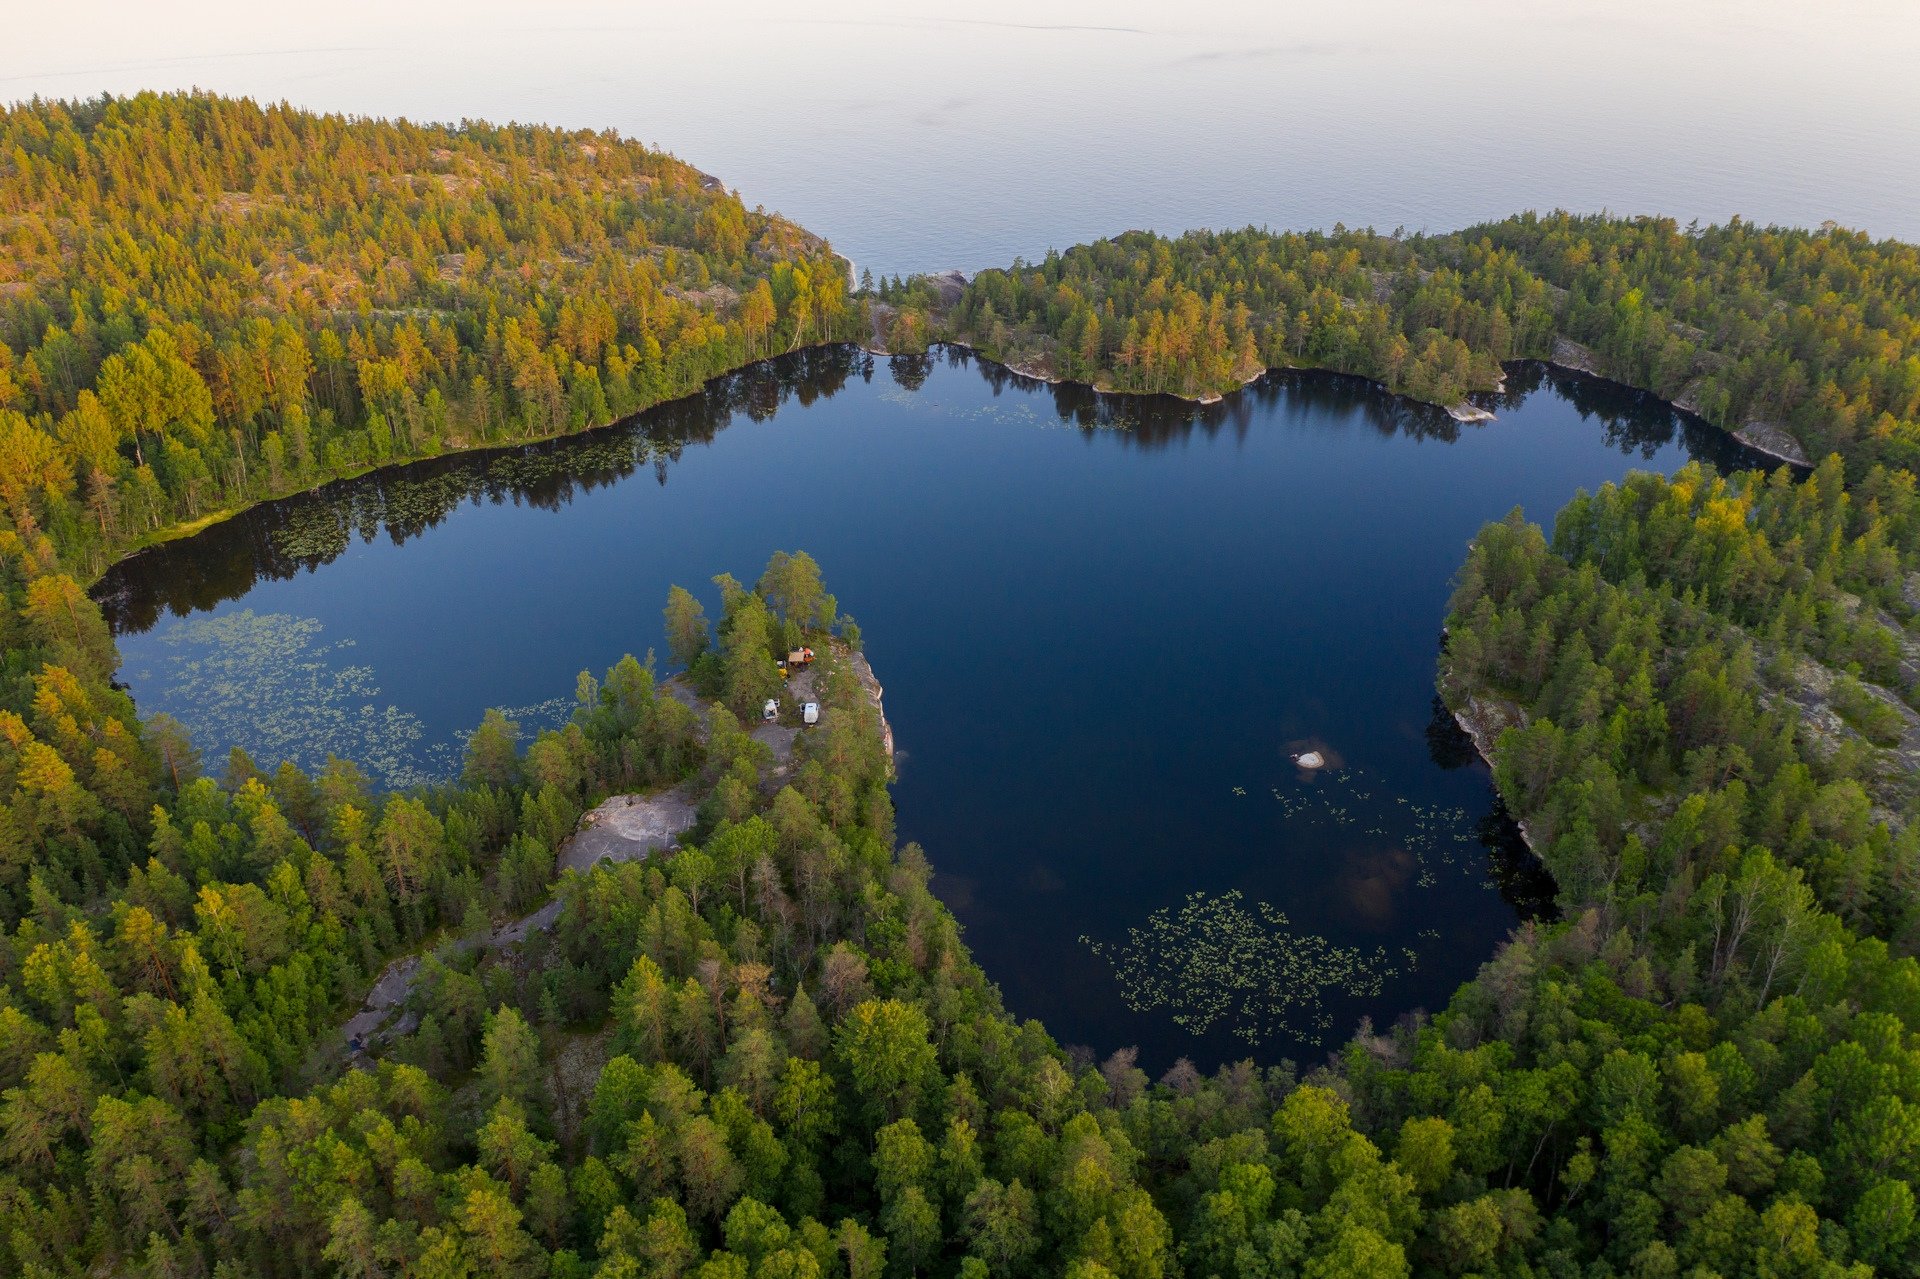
[767, 1052]
[204, 301]
[1816, 332]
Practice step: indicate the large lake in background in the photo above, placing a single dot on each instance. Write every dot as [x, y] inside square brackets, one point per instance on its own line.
[1102, 624]
[920, 135]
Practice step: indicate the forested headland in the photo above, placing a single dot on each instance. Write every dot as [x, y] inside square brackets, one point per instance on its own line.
[1758, 330]
[768, 1052]
[204, 302]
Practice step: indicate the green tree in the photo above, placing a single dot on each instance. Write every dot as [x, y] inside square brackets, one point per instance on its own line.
[686, 628]
[509, 1067]
[492, 755]
[1002, 1224]
[886, 1046]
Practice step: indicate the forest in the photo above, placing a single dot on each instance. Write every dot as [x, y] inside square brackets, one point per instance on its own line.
[1813, 332]
[205, 302]
[1702, 690]
[768, 1052]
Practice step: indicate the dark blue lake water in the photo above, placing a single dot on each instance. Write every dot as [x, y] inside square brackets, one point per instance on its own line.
[1103, 626]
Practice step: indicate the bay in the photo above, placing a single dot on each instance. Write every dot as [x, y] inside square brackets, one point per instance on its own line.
[1104, 625]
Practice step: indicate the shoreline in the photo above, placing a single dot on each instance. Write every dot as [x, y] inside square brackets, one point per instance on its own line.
[1763, 438]
[1465, 412]
[1483, 721]
[1035, 375]
[191, 528]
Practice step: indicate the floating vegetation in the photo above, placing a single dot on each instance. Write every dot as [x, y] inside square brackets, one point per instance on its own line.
[267, 683]
[1013, 412]
[1219, 961]
[1215, 961]
[554, 712]
[443, 760]
[1431, 832]
[1290, 805]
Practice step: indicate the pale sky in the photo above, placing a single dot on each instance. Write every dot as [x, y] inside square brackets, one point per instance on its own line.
[918, 138]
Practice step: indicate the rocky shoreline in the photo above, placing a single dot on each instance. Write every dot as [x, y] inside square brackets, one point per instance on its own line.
[1767, 438]
[863, 670]
[1774, 441]
[1053, 379]
[1465, 411]
[1483, 719]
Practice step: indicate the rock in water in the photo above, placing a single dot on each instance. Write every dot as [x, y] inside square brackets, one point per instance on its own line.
[1310, 760]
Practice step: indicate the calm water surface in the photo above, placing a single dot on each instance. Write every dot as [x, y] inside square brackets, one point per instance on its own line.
[920, 136]
[1102, 625]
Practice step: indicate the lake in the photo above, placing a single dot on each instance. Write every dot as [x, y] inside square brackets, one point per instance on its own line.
[1103, 625]
[920, 136]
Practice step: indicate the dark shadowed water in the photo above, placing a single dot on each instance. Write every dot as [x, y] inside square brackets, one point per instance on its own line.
[1102, 625]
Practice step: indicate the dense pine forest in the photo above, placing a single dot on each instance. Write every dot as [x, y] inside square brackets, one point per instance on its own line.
[768, 1052]
[1752, 328]
[1702, 691]
[204, 302]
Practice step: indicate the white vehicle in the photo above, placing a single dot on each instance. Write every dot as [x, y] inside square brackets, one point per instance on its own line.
[810, 713]
[771, 711]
